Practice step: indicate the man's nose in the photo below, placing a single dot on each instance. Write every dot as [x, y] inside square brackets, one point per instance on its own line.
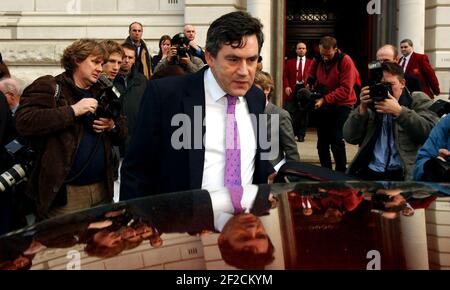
[243, 68]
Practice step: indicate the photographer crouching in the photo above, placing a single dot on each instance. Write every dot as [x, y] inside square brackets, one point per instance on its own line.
[71, 122]
[179, 55]
[389, 125]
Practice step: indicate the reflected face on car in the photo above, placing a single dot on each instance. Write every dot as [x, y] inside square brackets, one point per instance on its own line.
[107, 238]
[246, 232]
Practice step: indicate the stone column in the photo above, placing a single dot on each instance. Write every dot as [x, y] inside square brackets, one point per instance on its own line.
[411, 18]
[262, 9]
[414, 240]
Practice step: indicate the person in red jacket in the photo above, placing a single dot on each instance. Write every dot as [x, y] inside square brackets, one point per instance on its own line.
[332, 75]
[294, 77]
[417, 65]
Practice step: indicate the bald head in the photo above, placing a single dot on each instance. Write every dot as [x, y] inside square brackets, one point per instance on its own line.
[388, 53]
[10, 88]
[189, 31]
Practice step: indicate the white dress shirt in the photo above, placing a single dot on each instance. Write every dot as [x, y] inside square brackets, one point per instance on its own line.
[406, 62]
[214, 140]
[223, 207]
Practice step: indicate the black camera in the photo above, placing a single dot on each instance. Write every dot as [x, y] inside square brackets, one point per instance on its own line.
[24, 157]
[181, 41]
[375, 72]
[306, 99]
[380, 92]
[437, 170]
[440, 107]
[108, 102]
[182, 51]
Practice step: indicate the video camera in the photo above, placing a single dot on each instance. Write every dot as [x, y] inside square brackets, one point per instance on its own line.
[24, 156]
[108, 102]
[306, 99]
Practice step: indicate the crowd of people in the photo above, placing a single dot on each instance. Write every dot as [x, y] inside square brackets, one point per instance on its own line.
[182, 119]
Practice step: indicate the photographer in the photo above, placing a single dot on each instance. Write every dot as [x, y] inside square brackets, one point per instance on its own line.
[179, 55]
[333, 75]
[390, 125]
[67, 118]
[432, 159]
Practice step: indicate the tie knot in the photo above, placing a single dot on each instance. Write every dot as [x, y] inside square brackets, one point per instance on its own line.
[231, 100]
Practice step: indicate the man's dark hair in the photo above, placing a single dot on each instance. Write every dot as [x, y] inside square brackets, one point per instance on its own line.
[408, 41]
[140, 24]
[127, 46]
[394, 69]
[230, 29]
[328, 42]
[246, 258]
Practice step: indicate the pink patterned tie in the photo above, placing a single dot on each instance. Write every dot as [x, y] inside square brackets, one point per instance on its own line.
[232, 178]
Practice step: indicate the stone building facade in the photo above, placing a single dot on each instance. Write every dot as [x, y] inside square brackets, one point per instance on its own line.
[33, 33]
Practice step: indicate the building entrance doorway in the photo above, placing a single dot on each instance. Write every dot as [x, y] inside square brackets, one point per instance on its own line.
[347, 21]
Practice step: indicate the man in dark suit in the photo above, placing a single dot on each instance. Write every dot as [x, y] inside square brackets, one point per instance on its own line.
[165, 158]
[418, 65]
[295, 73]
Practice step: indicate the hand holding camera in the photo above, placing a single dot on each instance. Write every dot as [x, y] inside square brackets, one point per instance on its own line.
[85, 105]
[389, 106]
[172, 54]
[379, 98]
[103, 124]
[365, 100]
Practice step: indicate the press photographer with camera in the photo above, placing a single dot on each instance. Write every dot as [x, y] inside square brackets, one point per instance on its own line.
[179, 55]
[389, 125]
[72, 125]
[333, 75]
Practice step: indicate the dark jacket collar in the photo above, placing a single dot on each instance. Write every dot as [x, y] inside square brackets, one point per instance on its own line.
[143, 45]
[405, 99]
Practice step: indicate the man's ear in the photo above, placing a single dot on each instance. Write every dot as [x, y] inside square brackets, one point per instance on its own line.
[209, 58]
[403, 82]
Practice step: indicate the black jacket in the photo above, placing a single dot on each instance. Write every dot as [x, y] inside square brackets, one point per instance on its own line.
[152, 165]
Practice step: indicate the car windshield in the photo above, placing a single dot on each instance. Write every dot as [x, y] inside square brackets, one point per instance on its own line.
[308, 225]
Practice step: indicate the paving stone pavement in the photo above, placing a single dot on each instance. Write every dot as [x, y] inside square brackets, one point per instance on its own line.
[308, 151]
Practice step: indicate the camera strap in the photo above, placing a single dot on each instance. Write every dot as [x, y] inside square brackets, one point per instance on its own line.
[57, 92]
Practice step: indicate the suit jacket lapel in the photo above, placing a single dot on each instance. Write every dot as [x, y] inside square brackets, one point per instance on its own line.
[411, 61]
[192, 104]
